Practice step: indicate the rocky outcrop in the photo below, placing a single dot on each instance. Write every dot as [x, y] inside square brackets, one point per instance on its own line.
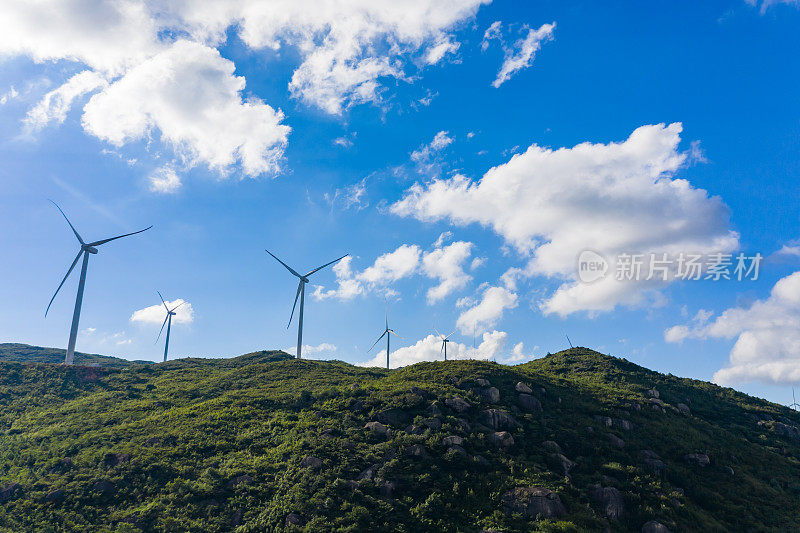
[654, 527]
[533, 503]
[523, 388]
[529, 403]
[653, 461]
[551, 446]
[497, 419]
[309, 461]
[459, 405]
[611, 501]
[453, 440]
[481, 382]
[491, 395]
[377, 428]
[615, 441]
[560, 464]
[697, 459]
[501, 439]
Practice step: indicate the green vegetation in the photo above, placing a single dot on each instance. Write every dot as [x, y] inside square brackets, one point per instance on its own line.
[25, 353]
[263, 442]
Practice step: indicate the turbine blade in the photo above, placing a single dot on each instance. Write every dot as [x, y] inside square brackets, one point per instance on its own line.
[177, 306]
[442, 348]
[70, 223]
[98, 243]
[437, 332]
[376, 342]
[387, 315]
[162, 301]
[395, 334]
[72, 266]
[290, 269]
[326, 264]
[162, 328]
[451, 333]
[296, 296]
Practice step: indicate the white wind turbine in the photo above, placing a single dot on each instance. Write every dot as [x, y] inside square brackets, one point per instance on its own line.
[168, 322]
[85, 250]
[445, 340]
[301, 292]
[386, 332]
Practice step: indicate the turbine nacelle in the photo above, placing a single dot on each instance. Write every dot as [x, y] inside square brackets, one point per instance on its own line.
[89, 249]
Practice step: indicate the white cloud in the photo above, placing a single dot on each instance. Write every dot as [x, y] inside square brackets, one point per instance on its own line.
[164, 180]
[440, 141]
[766, 4]
[443, 46]
[189, 93]
[493, 32]
[53, 107]
[349, 197]
[611, 198]
[309, 351]
[447, 265]
[488, 311]
[9, 95]
[523, 52]
[155, 314]
[430, 349]
[444, 264]
[767, 332]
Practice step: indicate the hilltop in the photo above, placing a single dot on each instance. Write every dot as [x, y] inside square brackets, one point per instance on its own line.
[575, 441]
[25, 353]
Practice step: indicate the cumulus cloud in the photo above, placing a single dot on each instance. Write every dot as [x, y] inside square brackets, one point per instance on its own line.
[767, 332]
[164, 180]
[430, 349]
[155, 314]
[443, 263]
[493, 32]
[446, 264]
[522, 54]
[189, 93]
[314, 351]
[485, 313]
[9, 95]
[159, 74]
[53, 107]
[426, 156]
[615, 198]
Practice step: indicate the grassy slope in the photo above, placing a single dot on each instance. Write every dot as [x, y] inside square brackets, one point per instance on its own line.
[25, 353]
[192, 427]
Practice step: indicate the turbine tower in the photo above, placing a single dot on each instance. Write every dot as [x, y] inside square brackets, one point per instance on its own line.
[386, 332]
[445, 340]
[86, 249]
[794, 404]
[168, 322]
[301, 292]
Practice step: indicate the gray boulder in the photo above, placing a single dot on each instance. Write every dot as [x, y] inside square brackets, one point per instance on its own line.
[615, 441]
[497, 419]
[684, 409]
[311, 462]
[501, 439]
[523, 388]
[529, 403]
[482, 382]
[533, 503]
[611, 500]
[459, 405]
[491, 395]
[377, 427]
[698, 459]
[551, 446]
[453, 440]
[654, 527]
[10, 492]
[560, 464]
[432, 423]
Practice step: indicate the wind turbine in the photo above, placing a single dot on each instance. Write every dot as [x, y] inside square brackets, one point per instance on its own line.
[301, 292]
[168, 322]
[85, 250]
[794, 404]
[445, 340]
[386, 332]
[569, 341]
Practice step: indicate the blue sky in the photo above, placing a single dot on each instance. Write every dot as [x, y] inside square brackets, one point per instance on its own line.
[388, 134]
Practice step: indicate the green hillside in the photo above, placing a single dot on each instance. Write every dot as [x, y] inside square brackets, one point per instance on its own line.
[25, 353]
[576, 441]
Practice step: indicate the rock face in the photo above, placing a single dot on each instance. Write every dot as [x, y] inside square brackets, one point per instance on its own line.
[459, 405]
[491, 395]
[560, 463]
[377, 427]
[533, 503]
[457, 450]
[10, 492]
[501, 439]
[529, 403]
[684, 409]
[654, 527]
[482, 382]
[551, 446]
[699, 459]
[55, 496]
[653, 393]
[311, 462]
[611, 499]
[453, 440]
[603, 420]
[615, 441]
[496, 419]
[433, 423]
[523, 388]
